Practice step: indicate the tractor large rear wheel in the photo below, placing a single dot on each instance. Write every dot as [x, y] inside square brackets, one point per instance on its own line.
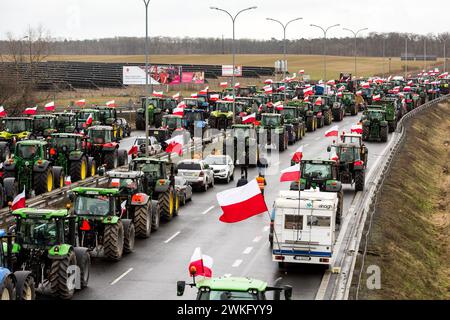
[156, 215]
[359, 180]
[78, 169]
[113, 241]
[92, 167]
[58, 177]
[59, 276]
[129, 231]
[43, 182]
[328, 115]
[112, 159]
[167, 203]
[8, 291]
[25, 286]
[143, 220]
[384, 133]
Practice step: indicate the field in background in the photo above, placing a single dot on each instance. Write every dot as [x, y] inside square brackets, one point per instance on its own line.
[312, 64]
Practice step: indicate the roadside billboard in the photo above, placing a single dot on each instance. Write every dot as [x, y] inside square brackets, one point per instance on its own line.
[193, 77]
[135, 75]
[227, 71]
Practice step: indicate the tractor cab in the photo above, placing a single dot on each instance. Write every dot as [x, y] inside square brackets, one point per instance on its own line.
[106, 115]
[271, 120]
[172, 122]
[44, 125]
[15, 129]
[65, 121]
[192, 103]
[100, 135]
[66, 142]
[85, 118]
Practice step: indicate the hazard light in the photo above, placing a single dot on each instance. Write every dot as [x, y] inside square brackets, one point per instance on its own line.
[358, 163]
[52, 151]
[279, 257]
[85, 226]
[138, 198]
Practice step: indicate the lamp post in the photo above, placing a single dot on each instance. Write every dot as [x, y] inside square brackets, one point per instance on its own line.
[147, 87]
[325, 48]
[355, 34]
[425, 52]
[406, 57]
[233, 19]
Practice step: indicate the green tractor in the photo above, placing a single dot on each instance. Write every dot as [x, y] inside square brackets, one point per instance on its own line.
[140, 208]
[374, 124]
[101, 225]
[86, 118]
[14, 129]
[272, 127]
[172, 122]
[154, 107]
[108, 117]
[44, 125]
[390, 106]
[159, 184]
[293, 122]
[31, 169]
[233, 288]
[45, 244]
[348, 100]
[221, 115]
[322, 109]
[65, 122]
[307, 112]
[242, 146]
[68, 150]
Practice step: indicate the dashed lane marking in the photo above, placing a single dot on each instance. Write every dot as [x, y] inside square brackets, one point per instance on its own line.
[237, 263]
[171, 238]
[257, 239]
[266, 228]
[247, 250]
[208, 210]
[121, 276]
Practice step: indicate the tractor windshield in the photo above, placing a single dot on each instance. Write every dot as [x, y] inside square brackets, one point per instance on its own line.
[172, 122]
[40, 124]
[191, 103]
[68, 142]
[226, 295]
[15, 125]
[374, 115]
[150, 169]
[100, 136]
[193, 116]
[91, 205]
[270, 121]
[26, 151]
[317, 171]
[63, 120]
[348, 154]
[37, 232]
[288, 113]
[224, 107]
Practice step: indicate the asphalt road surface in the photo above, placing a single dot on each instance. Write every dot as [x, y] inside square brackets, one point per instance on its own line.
[240, 249]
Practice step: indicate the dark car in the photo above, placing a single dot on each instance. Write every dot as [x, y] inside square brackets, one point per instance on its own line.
[184, 190]
[126, 128]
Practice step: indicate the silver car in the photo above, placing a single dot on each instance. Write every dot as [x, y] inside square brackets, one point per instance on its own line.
[222, 166]
[184, 190]
[197, 173]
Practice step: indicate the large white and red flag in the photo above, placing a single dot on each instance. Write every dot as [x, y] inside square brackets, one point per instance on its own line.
[30, 111]
[200, 264]
[50, 106]
[376, 97]
[291, 174]
[2, 112]
[89, 119]
[19, 201]
[356, 128]
[80, 103]
[175, 145]
[111, 103]
[332, 132]
[249, 119]
[268, 89]
[298, 155]
[224, 84]
[158, 94]
[241, 203]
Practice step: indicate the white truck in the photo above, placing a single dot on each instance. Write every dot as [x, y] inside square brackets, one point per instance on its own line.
[304, 229]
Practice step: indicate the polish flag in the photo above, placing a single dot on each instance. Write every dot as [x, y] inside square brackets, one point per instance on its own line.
[249, 119]
[268, 89]
[214, 97]
[182, 104]
[339, 94]
[298, 155]
[194, 95]
[308, 91]
[306, 99]
[228, 98]
[2, 112]
[407, 89]
[237, 85]
[278, 105]
[302, 71]
[178, 111]
[332, 132]
[318, 101]
[359, 93]
[396, 90]
[176, 96]
[268, 81]
[281, 88]
[443, 75]
[80, 103]
[356, 128]
[342, 88]
[175, 145]
[67, 181]
[241, 203]
[158, 94]
[19, 201]
[133, 150]
[204, 91]
[89, 119]
[30, 111]
[410, 83]
[365, 85]
[111, 104]
[376, 97]
[291, 173]
[200, 265]
[50, 106]
[224, 84]
[331, 82]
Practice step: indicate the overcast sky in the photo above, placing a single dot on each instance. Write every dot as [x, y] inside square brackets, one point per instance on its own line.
[87, 19]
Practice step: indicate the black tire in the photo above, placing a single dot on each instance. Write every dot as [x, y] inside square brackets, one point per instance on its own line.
[58, 276]
[113, 241]
[58, 177]
[84, 263]
[140, 121]
[25, 287]
[129, 235]
[156, 215]
[281, 141]
[76, 169]
[92, 167]
[366, 133]
[384, 134]
[8, 291]
[167, 208]
[328, 117]
[2, 197]
[320, 122]
[354, 110]
[11, 188]
[310, 124]
[40, 182]
[112, 159]
[392, 125]
[176, 205]
[143, 220]
[359, 180]
[340, 208]
[123, 157]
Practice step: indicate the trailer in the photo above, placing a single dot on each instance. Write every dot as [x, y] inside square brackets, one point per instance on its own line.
[304, 227]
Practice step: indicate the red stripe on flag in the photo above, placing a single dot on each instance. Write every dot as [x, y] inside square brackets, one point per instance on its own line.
[243, 210]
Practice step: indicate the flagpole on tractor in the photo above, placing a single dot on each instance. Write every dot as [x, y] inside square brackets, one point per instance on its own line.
[147, 88]
[355, 34]
[233, 19]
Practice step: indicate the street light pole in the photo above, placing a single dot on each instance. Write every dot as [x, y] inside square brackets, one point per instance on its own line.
[147, 87]
[284, 26]
[406, 57]
[233, 19]
[425, 53]
[355, 34]
[325, 48]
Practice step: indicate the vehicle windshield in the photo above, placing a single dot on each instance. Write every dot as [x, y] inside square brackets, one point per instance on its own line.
[191, 103]
[223, 107]
[15, 126]
[63, 120]
[41, 124]
[189, 166]
[347, 154]
[226, 295]
[216, 160]
[288, 113]
[172, 122]
[193, 116]
[150, 169]
[100, 136]
[69, 143]
[27, 151]
[318, 171]
[270, 120]
[91, 205]
[106, 114]
[376, 115]
[37, 232]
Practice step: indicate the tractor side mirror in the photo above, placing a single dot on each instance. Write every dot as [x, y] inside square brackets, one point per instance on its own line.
[101, 171]
[287, 292]
[329, 149]
[181, 285]
[71, 196]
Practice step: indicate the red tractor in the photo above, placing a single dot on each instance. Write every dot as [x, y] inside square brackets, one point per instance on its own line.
[103, 146]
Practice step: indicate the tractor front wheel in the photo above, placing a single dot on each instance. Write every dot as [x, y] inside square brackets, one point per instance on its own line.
[359, 180]
[328, 117]
[384, 133]
[113, 241]
[43, 182]
[59, 276]
[25, 286]
[156, 215]
[78, 169]
[8, 291]
[112, 159]
[167, 203]
[84, 263]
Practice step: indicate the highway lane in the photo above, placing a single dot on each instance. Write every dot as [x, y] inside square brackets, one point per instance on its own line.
[240, 249]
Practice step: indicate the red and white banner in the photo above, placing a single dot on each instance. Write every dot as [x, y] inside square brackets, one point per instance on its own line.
[204, 91]
[407, 89]
[282, 88]
[278, 105]
[359, 93]
[176, 96]
[89, 119]
[356, 128]
[298, 155]
[175, 145]
[194, 95]
[50, 106]
[291, 174]
[249, 119]
[237, 85]
[111, 103]
[376, 97]
[158, 94]
[30, 111]
[301, 71]
[308, 91]
[178, 111]
[228, 98]
[224, 84]
[241, 203]
[200, 265]
[80, 103]
[19, 201]
[268, 81]
[332, 132]
[268, 89]
[2, 112]
[306, 99]
[365, 85]
[214, 97]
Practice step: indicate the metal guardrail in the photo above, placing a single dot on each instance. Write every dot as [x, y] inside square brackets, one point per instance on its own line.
[366, 206]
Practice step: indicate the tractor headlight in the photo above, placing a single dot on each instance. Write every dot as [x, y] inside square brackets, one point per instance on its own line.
[27, 163]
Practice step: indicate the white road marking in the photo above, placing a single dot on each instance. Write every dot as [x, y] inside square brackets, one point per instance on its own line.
[247, 250]
[323, 285]
[171, 238]
[227, 275]
[305, 145]
[121, 276]
[237, 263]
[266, 228]
[208, 210]
[257, 239]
